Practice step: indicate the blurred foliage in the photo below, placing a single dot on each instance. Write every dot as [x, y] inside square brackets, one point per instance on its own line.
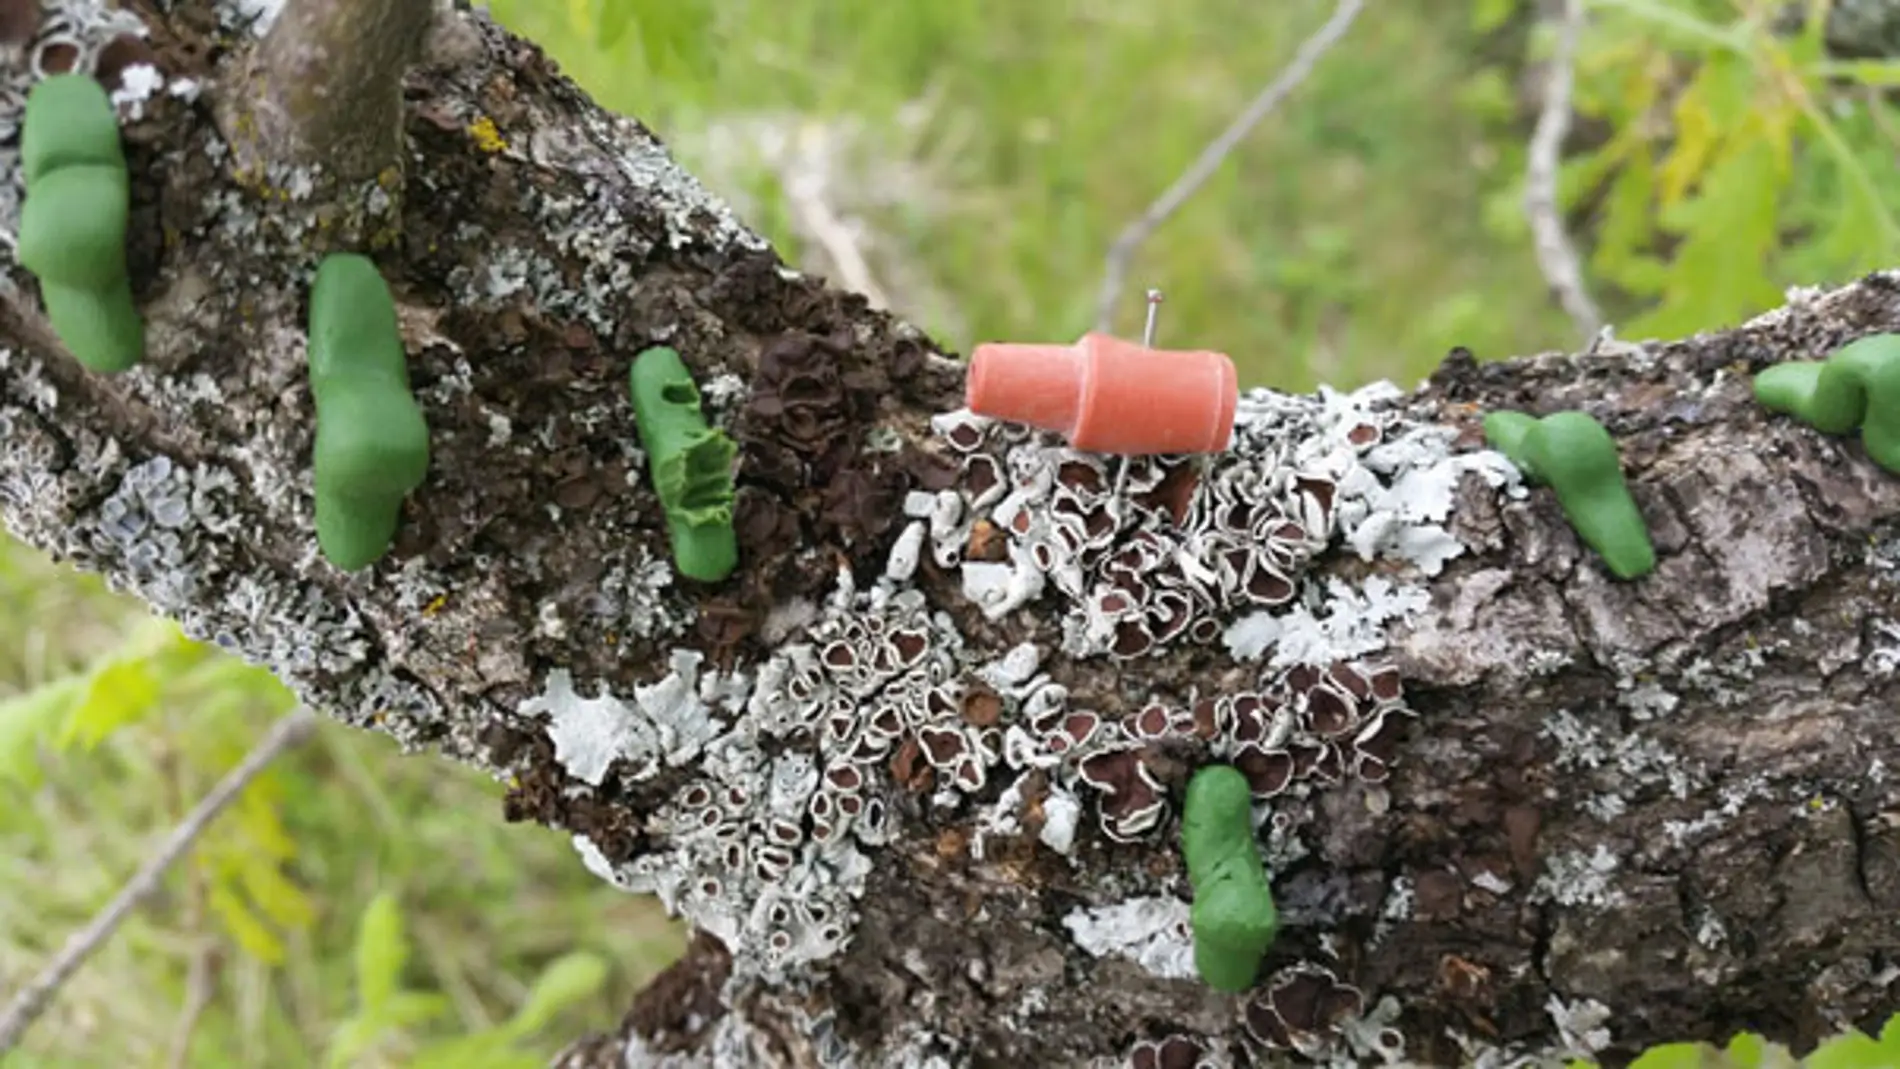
[987, 151]
[113, 725]
[1740, 160]
[1850, 1050]
[1344, 241]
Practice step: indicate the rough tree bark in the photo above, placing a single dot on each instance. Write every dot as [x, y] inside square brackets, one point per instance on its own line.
[1620, 812]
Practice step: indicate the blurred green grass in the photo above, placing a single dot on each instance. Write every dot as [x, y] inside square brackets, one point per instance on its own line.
[1356, 235]
[487, 903]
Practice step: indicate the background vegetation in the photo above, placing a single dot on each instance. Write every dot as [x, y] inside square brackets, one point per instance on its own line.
[360, 908]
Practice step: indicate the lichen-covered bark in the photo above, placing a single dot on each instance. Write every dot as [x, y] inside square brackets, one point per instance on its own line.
[1665, 799]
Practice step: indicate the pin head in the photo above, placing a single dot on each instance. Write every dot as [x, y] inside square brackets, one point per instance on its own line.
[1154, 309]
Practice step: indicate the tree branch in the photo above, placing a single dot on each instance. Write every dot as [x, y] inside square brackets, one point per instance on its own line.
[1504, 795]
[324, 91]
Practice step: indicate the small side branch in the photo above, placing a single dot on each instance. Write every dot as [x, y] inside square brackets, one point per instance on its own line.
[1556, 256]
[33, 999]
[1115, 270]
[325, 87]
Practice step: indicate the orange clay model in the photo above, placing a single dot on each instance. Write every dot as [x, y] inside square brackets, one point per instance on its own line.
[1107, 395]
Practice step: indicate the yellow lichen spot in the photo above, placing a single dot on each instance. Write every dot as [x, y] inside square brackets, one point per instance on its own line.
[487, 137]
[435, 605]
[389, 177]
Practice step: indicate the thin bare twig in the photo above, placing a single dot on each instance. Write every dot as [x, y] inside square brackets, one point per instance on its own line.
[1115, 268]
[804, 185]
[325, 87]
[201, 986]
[1556, 256]
[33, 999]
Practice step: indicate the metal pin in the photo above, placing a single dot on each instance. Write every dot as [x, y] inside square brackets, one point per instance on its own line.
[1117, 494]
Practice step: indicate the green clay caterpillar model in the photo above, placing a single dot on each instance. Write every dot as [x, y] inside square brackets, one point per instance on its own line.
[1233, 916]
[690, 464]
[73, 223]
[372, 442]
[1858, 386]
[1576, 457]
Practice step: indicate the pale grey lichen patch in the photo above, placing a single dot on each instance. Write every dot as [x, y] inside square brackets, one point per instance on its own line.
[1152, 931]
[1148, 551]
[1621, 759]
[174, 535]
[693, 214]
[639, 597]
[762, 849]
[251, 16]
[665, 725]
[1581, 1025]
[1573, 878]
[1646, 699]
[1731, 798]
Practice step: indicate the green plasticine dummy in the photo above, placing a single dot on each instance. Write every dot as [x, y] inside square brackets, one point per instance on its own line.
[1233, 916]
[1857, 386]
[372, 441]
[690, 464]
[73, 221]
[1572, 454]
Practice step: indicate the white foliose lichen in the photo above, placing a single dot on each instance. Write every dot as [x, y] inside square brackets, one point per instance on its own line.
[666, 725]
[1147, 551]
[252, 16]
[767, 852]
[761, 850]
[1152, 931]
[1580, 1025]
[1573, 878]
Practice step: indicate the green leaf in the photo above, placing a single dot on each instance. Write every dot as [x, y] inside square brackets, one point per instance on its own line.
[1488, 15]
[120, 693]
[251, 933]
[281, 901]
[1850, 1050]
[258, 822]
[406, 1009]
[674, 36]
[568, 981]
[381, 952]
[1627, 229]
[1720, 274]
[359, 1034]
[1673, 1056]
[1746, 1051]
[349, 1040]
[1890, 1033]
[1872, 73]
[484, 1050]
[27, 719]
[612, 20]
